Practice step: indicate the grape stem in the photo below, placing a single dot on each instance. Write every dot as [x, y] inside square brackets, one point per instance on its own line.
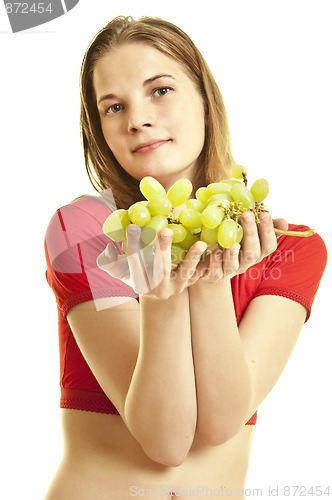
[304, 234]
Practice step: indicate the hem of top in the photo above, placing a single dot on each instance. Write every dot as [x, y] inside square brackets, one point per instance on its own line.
[81, 399]
[98, 293]
[288, 294]
[98, 402]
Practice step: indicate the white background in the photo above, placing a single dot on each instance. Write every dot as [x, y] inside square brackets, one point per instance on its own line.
[272, 62]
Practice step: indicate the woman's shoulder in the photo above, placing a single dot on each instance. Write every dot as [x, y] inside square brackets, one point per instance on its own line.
[74, 239]
[97, 205]
[77, 228]
[84, 213]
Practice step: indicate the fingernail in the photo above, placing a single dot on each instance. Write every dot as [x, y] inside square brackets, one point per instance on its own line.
[248, 217]
[265, 218]
[201, 247]
[133, 230]
[166, 235]
[235, 249]
[219, 255]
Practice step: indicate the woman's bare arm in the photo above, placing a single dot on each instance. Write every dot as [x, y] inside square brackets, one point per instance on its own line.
[223, 375]
[141, 354]
[235, 368]
[142, 358]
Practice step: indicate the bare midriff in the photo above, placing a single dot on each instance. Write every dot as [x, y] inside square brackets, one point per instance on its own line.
[103, 461]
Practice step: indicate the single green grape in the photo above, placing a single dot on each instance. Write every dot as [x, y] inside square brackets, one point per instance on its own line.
[159, 206]
[218, 187]
[179, 232]
[179, 192]
[115, 225]
[210, 236]
[238, 170]
[177, 254]
[260, 189]
[212, 216]
[151, 188]
[189, 240]
[242, 195]
[202, 195]
[221, 198]
[195, 204]
[190, 218]
[230, 181]
[139, 214]
[227, 232]
[151, 230]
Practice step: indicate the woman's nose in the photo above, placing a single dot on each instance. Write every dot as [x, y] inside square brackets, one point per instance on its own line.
[139, 116]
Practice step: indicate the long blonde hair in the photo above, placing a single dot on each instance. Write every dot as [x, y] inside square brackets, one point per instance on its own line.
[104, 171]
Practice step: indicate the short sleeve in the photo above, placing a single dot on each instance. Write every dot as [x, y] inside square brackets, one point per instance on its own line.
[73, 241]
[295, 269]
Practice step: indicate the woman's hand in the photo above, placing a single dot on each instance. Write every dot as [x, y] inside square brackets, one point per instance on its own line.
[148, 270]
[259, 241]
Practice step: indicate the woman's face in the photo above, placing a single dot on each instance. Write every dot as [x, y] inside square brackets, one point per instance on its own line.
[151, 113]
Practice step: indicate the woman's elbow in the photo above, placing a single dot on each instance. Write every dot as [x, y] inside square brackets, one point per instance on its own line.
[216, 429]
[168, 460]
[170, 456]
[216, 437]
[215, 433]
[166, 444]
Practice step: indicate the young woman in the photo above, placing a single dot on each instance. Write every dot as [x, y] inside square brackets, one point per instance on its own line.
[160, 387]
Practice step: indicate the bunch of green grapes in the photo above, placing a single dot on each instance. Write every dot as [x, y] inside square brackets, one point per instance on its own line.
[211, 216]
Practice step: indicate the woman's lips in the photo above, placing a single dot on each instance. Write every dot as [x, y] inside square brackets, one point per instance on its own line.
[150, 146]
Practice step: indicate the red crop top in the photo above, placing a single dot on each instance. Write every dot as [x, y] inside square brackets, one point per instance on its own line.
[73, 241]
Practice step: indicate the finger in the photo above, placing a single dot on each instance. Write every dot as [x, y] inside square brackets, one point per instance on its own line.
[251, 248]
[109, 255]
[231, 261]
[201, 269]
[162, 264]
[134, 243]
[214, 272]
[280, 224]
[191, 268]
[267, 235]
[114, 264]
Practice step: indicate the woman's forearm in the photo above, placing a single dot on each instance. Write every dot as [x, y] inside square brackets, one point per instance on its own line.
[223, 377]
[161, 406]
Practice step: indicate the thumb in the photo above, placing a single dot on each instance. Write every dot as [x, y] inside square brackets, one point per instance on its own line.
[109, 255]
[112, 263]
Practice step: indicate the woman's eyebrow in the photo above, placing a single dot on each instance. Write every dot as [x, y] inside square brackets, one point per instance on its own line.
[105, 97]
[145, 83]
[153, 78]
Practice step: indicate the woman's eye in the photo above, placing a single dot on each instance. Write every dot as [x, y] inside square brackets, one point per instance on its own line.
[115, 108]
[162, 91]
